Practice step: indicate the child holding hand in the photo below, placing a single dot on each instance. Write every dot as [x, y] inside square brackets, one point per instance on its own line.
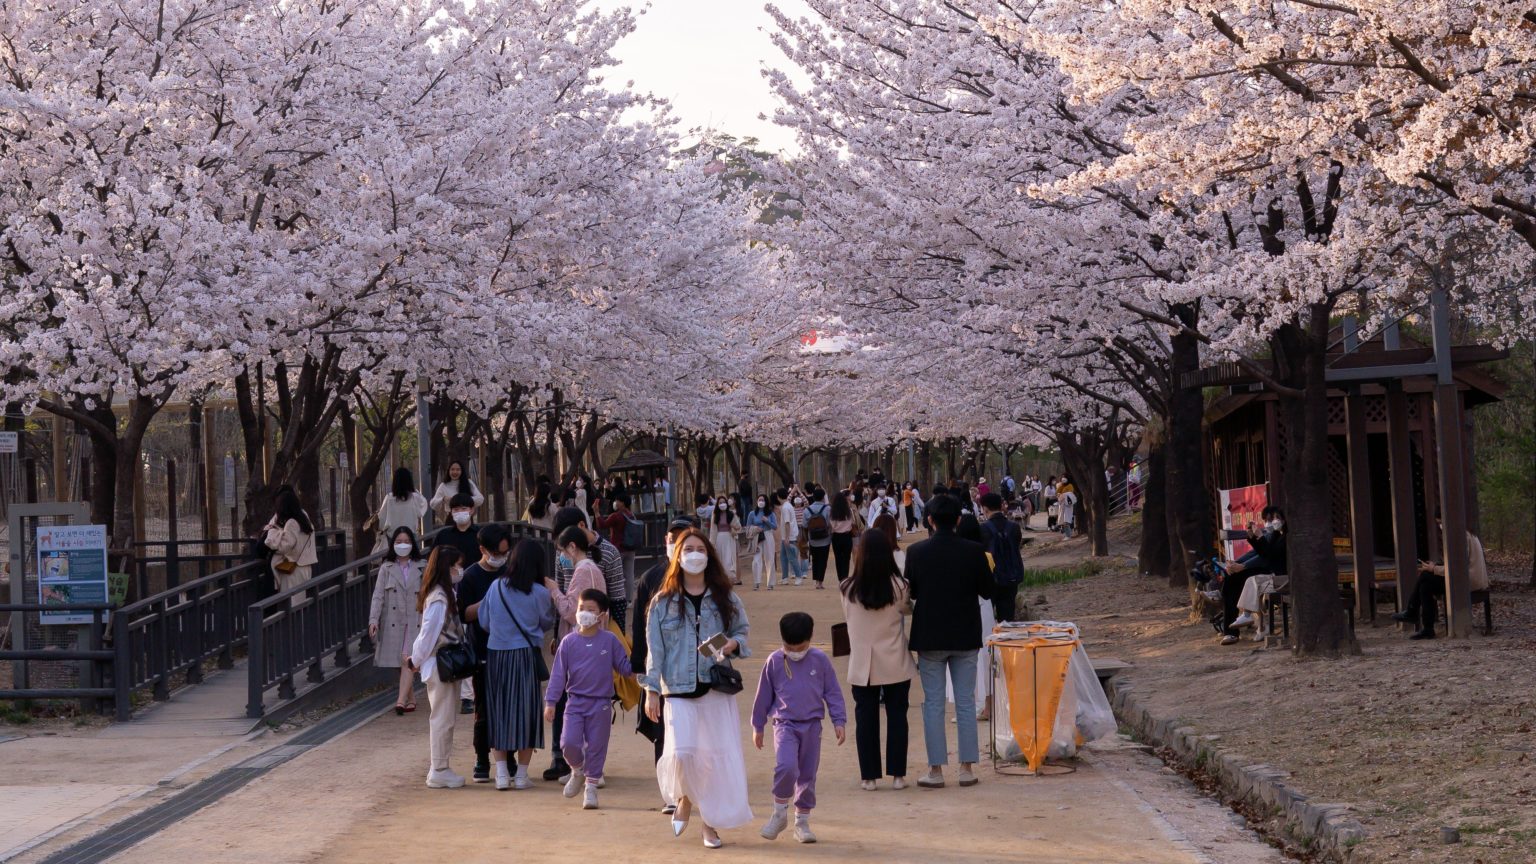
[585, 663]
[797, 688]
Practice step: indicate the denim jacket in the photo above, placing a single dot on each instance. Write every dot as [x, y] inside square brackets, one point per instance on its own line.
[673, 663]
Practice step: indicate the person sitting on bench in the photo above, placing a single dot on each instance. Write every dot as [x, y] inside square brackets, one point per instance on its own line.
[1431, 585]
[1267, 556]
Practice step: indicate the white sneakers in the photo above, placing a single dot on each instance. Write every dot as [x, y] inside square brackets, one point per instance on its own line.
[899, 783]
[776, 823]
[803, 828]
[1243, 620]
[503, 777]
[521, 782]
[573, 784]
[444, 779]
[589, 798]
[967, 778]
[867, 785]
[934, 779]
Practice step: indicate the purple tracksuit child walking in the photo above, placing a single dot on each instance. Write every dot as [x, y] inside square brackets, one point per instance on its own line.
[583, 671]
[793, 693]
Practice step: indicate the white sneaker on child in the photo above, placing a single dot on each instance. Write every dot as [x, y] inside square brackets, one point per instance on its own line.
[803, 829]
[573, 784]
[589, 798]
[776, 823]
[503, 778]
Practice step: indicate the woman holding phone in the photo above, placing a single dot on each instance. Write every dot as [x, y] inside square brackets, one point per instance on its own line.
[695, 623]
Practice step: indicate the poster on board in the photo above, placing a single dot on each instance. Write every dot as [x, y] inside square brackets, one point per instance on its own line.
[71, 568]
[1239, 507]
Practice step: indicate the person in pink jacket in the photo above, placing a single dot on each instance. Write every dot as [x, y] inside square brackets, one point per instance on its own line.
[575, 547]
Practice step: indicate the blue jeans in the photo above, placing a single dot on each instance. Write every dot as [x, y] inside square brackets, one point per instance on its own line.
[961, 665]
[789, 560]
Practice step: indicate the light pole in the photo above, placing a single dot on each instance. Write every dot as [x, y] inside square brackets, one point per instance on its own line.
[424, 442]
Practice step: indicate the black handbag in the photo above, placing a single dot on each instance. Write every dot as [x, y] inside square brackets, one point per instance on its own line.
[540, 668]
[722, 677]
[457, 660]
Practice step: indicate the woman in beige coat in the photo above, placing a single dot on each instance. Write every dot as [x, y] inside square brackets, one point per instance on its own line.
[392, 618]
[880, 668]
[291, 537]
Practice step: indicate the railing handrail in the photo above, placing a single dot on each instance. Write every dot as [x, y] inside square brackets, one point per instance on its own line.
[195, 584]
[56, 607]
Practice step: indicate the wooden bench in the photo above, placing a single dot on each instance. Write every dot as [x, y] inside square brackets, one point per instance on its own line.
[1281, 599]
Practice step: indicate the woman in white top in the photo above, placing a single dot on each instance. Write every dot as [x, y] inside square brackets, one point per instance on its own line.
[404, 506]
[540, 511]
[440, 626]
[883, 504]
[392, 614]
[723, 525]
[456, 482]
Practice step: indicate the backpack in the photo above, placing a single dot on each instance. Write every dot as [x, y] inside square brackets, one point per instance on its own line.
[634, 533]
[817, 527]
[1003, 545]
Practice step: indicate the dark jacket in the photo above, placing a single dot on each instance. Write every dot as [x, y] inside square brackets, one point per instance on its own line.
[1271, 547]
[645, 589]
[467, 542]
[1002, 535]
[948, 575]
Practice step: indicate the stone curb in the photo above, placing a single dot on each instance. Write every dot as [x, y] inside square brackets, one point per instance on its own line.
[1318, 827]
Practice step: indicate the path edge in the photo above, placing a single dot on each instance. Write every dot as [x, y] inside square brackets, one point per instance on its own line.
[1320, 828]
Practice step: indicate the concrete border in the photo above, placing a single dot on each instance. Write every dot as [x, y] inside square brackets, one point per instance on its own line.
[340, 686]
[1323, 829]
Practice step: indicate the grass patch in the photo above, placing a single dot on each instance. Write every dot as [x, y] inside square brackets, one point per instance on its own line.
[14, 716]
[1040, 576]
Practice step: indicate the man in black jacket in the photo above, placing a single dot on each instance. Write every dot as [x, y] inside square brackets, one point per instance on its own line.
[495, 543]
[948, 575]
[1003, 541]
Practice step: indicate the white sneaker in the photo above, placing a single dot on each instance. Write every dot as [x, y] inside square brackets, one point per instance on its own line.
[521, 782]
[444, 779]
[503, 777]
[602, 782]
[1229, 639]
[776, 824]
[803, 830]
[899, 783]
[573, 784]
[589, 798]
[1243, 620]
[934, 779]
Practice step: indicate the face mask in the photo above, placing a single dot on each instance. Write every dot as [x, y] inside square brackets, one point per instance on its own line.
[460, 518]
[403, 549]
[496, 562]
[456, 574]
[761, 503]
[585, 619]
[580, 485]
[563, 560]
[1276, 525]
[797, 656]
[720, 506]
[695, 562]
[799, 502]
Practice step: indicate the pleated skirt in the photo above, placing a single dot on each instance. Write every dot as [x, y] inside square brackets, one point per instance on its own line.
[701, 758]
[512, 700]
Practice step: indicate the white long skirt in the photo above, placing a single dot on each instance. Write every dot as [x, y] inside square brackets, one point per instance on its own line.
[702, 759]
[725, 546]
[983, 660]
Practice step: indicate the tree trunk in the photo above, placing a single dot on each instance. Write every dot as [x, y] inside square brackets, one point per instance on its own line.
[103, 489]
[1153, 557]
[1321, 628]
[925, 467]
[1188, 502]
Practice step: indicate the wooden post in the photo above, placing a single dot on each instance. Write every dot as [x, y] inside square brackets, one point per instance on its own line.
[172, 552]
[1453, 497]
[137, 467]
[1362, 538]
[1405, 543]
[211, 473]
[60, 454]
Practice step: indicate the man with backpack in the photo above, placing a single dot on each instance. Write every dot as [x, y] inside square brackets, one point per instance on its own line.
[818, 531]
[626, 532]
[1003, 540]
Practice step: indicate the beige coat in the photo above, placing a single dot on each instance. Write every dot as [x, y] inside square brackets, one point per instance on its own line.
[878, 639]
[291, 544]
[394, 611]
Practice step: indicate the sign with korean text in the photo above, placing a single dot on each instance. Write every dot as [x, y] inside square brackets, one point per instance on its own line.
[71, 568]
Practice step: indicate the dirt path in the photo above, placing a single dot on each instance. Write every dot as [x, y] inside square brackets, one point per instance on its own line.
[361, 799]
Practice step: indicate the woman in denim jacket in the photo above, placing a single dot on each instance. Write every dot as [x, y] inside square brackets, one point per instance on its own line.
[701, 763]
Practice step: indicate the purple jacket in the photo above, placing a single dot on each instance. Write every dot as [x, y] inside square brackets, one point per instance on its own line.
[795, 690]
[584, 666]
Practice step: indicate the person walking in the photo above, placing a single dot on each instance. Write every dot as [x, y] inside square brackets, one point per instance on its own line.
[724, 525]
[478, 577]
[575, 555]
[582, 674]
[540, 512]
[909, 505]
[439, 626]
[789, 535]
[455, 483]
[516, 612]
[947, 575]
[818, 534]
[842, 516]
[403, 506]
[880, 667]
[1003, 540]
[617, 525]
[696, 624]
[763, 527]
[462, 533]
[392, 618]
[645, 589]
[291, 537]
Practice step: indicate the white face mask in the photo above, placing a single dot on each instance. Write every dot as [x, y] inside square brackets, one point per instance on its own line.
[496, 562]
[461, 518]
[796, 656]
[585, 619]
[799, 502]
[403, 549]
[456, 574]
[694, 563]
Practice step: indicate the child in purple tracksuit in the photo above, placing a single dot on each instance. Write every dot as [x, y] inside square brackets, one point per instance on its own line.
[583, 670]
[797, 681]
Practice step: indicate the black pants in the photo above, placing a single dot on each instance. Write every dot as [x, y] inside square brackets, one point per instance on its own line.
[1231, 589]
[554, 730]
[1005, 600]
[618, 610]
[911, 518]
[819, 563]
[1423, 601]
[842, 551]
[482, 718]
[866, 728]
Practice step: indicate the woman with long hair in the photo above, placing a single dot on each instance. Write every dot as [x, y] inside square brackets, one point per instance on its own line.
[763, 525]
[880, 667]
[575, 555]
[540, 511]
[392, 621]
[455, 482]
[842, 517]
[439, 626]
[291, 536]
[516, 612]
[701, 763]
[723, 526]
[402, 506]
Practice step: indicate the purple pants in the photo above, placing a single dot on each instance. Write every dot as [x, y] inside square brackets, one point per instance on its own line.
[797, 755]
[584, 738]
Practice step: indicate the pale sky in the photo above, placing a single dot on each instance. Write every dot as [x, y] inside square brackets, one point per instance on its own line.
[705, 57]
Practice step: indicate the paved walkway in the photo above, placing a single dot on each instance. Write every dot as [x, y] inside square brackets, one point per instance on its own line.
[360, 798]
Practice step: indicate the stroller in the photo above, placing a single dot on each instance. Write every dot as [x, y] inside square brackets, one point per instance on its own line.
[1209, 574]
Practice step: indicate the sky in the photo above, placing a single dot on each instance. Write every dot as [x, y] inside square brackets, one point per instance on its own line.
[705, 57]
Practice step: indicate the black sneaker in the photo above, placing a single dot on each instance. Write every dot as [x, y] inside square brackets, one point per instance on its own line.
[1423, 634]
[557, 771]
[1403, 616]
[466, 706]
[483, 773]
